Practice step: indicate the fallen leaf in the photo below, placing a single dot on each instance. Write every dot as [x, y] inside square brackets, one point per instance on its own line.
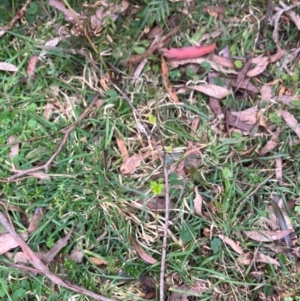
[291, 121]
[266, 235]
[48, 110]
[14, 150]
[211, 90]
[31, 66]
[248, 258]
[188, 52]
[34, 221]
[144, 256]
[131, 164]
[76, 255]
[61, 243]
[278, 171]
[249, 115]
[49, 45]
[261, 62]
[167, 84]
[68, 14]
[266, 93]
[232, 244]
[8, 67]
[234, 121]
[198, 202]
[98, 261]
[7, 242]
[123, 149]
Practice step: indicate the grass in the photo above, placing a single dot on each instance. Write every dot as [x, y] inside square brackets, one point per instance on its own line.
[88, 194]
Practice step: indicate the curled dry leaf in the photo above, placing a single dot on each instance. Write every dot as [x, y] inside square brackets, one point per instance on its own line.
[98, 261]
[232, 244]
[198, 202]
[76, 255]
[188, 52]
[48, 46]
[8, 67]
[34, 222]
[7, 242]
[266, 235]
[248, 258]
[69, 15]
[14, 150]
[291, 121]
[144, 256]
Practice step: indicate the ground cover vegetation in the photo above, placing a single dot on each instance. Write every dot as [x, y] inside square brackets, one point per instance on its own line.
[149, 150]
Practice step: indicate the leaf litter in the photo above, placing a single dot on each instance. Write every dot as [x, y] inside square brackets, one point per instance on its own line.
[250, 121]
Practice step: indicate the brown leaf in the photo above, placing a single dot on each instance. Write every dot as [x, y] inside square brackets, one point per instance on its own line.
[278, 171]
[7, 242]
[266, 93]
[48, 110]
[14, 150]
[76, 255]
[123, 149]
[61, 243]
[31, 66]
[68, 14]
[232, 244]
[262, 62]
[49, 45]
[291, 121]
[131, 164]
[266, 235]
[211, 90]
[198, 202]
[248, 258]
[34, 222]
[8, 67]
[144, 256]
[235, 122]
[98, 261]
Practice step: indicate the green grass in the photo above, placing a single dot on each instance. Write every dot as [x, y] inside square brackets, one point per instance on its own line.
[87, 192]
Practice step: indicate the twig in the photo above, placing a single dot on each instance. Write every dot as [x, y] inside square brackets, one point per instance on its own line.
[67, 131]
[39, 265]
[18, 15]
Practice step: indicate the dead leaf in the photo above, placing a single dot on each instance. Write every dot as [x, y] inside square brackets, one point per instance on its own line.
[232, 244]
[34, 222]
[144, 256]
[7, 242]
[266, 235]
[123, 149]
[31, 66]
[155, 204]
[270, 145]
[49, 45]
[266, 93]
[244, 84]
[234, 121]
[98, 261]
[14, 150]
[198, 202]
[211, 90]
[69, 15]
[278, 171]
[131, 164]
[249, 115]
[76, 255]
[48, 110]
[8, 67]
[248, 258]
[291, 121]
[261, 62]
[167, 84]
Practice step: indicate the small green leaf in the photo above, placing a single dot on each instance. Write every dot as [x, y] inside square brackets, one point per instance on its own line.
[33, 8]
[206, 66]
[156, 187]
[227, 173]
[215, 245]
[238, 64]
[32, 107]
[18, 294]
[139, 50]
[297, 209]
[187, 234]
[32, 124]
[152, 119]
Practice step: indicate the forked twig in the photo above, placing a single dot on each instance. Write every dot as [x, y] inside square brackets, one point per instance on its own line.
[39, 265]
[67, 131]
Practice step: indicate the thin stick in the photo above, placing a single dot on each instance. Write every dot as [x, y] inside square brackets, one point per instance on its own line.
[67, 131]
[18, 15]
[39, 265]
